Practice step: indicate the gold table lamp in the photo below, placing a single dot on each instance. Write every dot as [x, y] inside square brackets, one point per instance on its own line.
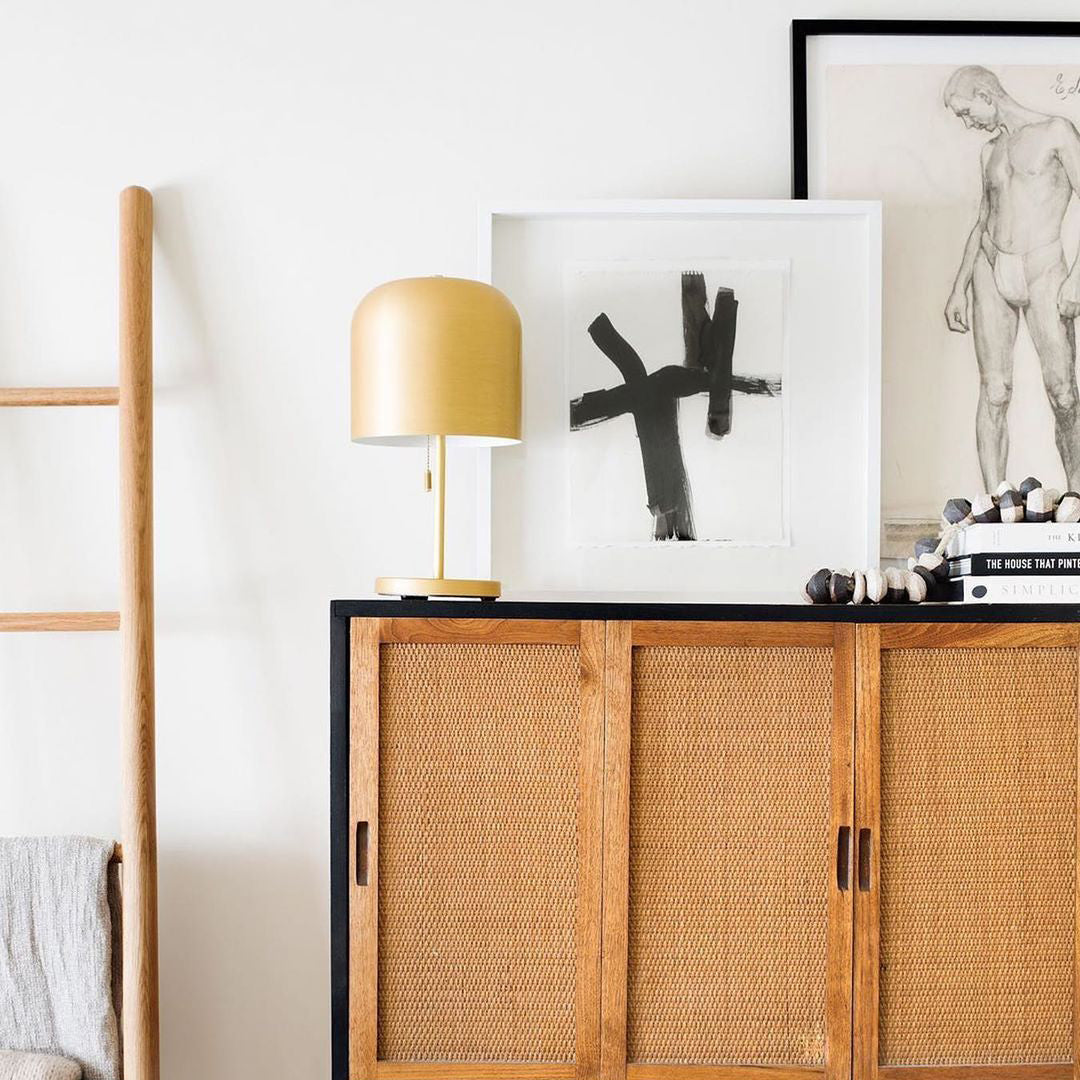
[436, 358]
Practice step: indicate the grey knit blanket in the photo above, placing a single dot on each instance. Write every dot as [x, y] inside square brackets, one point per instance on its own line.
[16, 1065]
[56, 951]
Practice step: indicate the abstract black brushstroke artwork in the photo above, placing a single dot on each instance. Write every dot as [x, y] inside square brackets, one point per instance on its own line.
[653, 398]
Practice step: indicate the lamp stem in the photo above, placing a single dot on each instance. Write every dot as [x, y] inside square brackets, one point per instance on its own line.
[440, 502]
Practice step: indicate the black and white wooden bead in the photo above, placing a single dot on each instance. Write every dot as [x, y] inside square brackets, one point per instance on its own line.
[876, 586]
[841, 587]
[929, 584]
[915, 583]
[957, 512]
[984, 509]
[858, 594]
[817, 588]
[896, 585]
[1011, 506]
[1039, 505]
[1068, 510]
[935, 564]
[925, 545]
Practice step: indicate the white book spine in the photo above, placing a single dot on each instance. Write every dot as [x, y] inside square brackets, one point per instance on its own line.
[1002, 589]
[1020, 537]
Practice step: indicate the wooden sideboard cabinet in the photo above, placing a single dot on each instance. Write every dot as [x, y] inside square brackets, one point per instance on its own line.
[703, 842]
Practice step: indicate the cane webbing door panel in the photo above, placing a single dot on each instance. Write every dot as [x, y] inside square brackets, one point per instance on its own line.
[727, 851]
[476, 797]
[966, 906]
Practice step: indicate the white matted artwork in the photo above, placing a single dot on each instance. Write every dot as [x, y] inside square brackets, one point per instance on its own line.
[975, 161]
[743, 335]
[676, 409]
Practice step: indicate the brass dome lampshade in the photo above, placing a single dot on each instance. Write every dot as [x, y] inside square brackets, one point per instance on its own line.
[438, 359]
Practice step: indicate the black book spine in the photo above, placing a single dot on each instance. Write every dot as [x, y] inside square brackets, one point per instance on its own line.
[1012, 564]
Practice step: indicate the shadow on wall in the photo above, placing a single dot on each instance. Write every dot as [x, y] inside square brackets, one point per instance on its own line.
[217, 485]
[244, 923]
[209, 491]
[217, 921]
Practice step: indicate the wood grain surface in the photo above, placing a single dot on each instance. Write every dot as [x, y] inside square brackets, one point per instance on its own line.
[15, 396]
[139, 800]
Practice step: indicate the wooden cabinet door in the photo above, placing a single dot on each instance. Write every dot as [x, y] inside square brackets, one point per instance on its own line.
[476, 797]
[966, 902]
[727, 851]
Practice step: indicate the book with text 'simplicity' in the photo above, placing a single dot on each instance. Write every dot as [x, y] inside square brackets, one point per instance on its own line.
[1022, 589]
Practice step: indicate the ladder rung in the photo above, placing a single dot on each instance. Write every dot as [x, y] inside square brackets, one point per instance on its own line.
[59, 395]
[59, 620]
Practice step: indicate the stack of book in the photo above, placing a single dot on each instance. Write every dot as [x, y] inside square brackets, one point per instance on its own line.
[1021, 563]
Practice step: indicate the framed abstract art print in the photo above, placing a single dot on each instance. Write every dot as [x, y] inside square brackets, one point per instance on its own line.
[968, 134]
[700, 394]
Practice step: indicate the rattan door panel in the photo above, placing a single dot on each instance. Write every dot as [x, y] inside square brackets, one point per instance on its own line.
[737, 760]
[482, 863]
[966, 928]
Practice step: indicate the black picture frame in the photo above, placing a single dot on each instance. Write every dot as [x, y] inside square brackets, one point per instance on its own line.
[803, 29]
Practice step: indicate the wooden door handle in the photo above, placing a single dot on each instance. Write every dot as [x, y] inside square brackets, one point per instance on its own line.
[866, 839]
[843, 858]
[361, 853]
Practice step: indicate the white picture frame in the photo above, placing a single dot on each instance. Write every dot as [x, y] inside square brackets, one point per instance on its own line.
[833, 333]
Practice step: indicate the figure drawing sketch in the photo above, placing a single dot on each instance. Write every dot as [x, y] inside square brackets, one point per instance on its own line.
[1014, 264]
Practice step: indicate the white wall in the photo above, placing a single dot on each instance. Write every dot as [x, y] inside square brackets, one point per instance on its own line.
[299, 154]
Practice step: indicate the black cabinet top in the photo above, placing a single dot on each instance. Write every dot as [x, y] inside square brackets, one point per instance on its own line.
[561, 606]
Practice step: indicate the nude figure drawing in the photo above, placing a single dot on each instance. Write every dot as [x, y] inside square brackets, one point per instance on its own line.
[1014, 264]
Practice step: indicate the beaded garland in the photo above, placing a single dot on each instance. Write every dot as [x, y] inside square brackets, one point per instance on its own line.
[927, 574]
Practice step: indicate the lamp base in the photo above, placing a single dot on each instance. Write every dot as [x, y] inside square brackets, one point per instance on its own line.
[422, 586]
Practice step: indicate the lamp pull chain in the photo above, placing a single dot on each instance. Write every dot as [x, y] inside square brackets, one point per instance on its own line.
[427, 467]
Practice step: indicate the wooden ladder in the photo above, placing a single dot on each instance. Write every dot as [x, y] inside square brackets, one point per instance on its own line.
[134, 620]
